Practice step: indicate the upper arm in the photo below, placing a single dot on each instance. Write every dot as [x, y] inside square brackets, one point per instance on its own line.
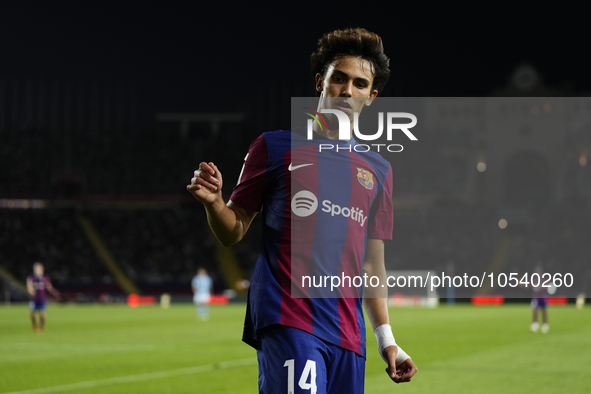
[382, 212]
[381, 223]
[374, 253]
[30, 287]
[374, 265]
[248, 194]
[245, 216]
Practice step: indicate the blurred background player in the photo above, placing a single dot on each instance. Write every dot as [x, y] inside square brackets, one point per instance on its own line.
[201, 285]
[37, 285]
[540, 302]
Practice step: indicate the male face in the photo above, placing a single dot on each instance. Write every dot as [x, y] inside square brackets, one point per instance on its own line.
[346, 85]
[38, 269]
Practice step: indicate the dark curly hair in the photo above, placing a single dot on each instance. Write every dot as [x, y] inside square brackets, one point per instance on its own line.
[352, 42]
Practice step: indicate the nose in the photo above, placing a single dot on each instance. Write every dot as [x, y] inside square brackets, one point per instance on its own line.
[347, 89]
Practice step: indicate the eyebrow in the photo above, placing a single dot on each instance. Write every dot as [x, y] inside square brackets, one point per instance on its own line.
[347, 75]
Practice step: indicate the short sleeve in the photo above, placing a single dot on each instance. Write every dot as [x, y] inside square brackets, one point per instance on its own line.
[252, 183]
[382, 211]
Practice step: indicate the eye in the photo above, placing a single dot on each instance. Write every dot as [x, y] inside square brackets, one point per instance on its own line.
[337, 78]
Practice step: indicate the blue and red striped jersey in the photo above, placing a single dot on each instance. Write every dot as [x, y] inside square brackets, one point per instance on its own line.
[318, 210]
[40, 286]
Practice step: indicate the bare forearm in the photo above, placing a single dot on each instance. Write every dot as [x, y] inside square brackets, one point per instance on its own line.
[224, 223]
[30, 288]
[377, 311]
[376, 298]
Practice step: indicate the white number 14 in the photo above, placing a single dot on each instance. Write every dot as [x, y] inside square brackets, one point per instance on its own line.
[309, 370]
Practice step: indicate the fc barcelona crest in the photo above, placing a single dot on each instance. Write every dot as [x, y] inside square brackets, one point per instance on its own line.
[365, 178]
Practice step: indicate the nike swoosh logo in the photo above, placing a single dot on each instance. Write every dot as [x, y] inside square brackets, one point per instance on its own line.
[292, 167]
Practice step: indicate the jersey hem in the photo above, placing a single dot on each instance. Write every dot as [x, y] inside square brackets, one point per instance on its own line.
[254, 341]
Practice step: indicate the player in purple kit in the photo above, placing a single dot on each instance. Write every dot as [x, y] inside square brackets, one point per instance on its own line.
[37, 285]
[539, 301]
[314, 344]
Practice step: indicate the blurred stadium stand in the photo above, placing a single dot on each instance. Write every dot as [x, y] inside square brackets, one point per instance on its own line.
[69, 149]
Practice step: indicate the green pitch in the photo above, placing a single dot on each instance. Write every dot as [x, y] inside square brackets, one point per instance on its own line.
[115, 349]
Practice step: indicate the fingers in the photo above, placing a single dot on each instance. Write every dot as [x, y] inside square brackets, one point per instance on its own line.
[193, 187]
[208, 175]
[397, 377]
[207, 167]
[394, 374]
[404, 372]
[205, 176]
[197, 183]
[217, 175]
[216, 172]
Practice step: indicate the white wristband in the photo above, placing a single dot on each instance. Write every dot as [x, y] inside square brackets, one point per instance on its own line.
[401, 357]
[385, 338]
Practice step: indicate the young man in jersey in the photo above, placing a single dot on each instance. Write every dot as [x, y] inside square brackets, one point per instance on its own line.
[37, 285]
[314, 345]
[201, 285]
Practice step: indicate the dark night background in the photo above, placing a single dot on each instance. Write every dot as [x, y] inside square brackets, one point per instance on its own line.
[187, 56]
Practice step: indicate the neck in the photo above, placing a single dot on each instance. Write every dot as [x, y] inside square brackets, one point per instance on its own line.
[332, 134]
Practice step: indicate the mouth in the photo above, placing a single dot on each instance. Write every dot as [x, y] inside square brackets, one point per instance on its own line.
[344, 106]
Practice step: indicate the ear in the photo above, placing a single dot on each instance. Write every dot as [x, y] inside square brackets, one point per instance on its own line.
[319, 82]
[372, 95]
